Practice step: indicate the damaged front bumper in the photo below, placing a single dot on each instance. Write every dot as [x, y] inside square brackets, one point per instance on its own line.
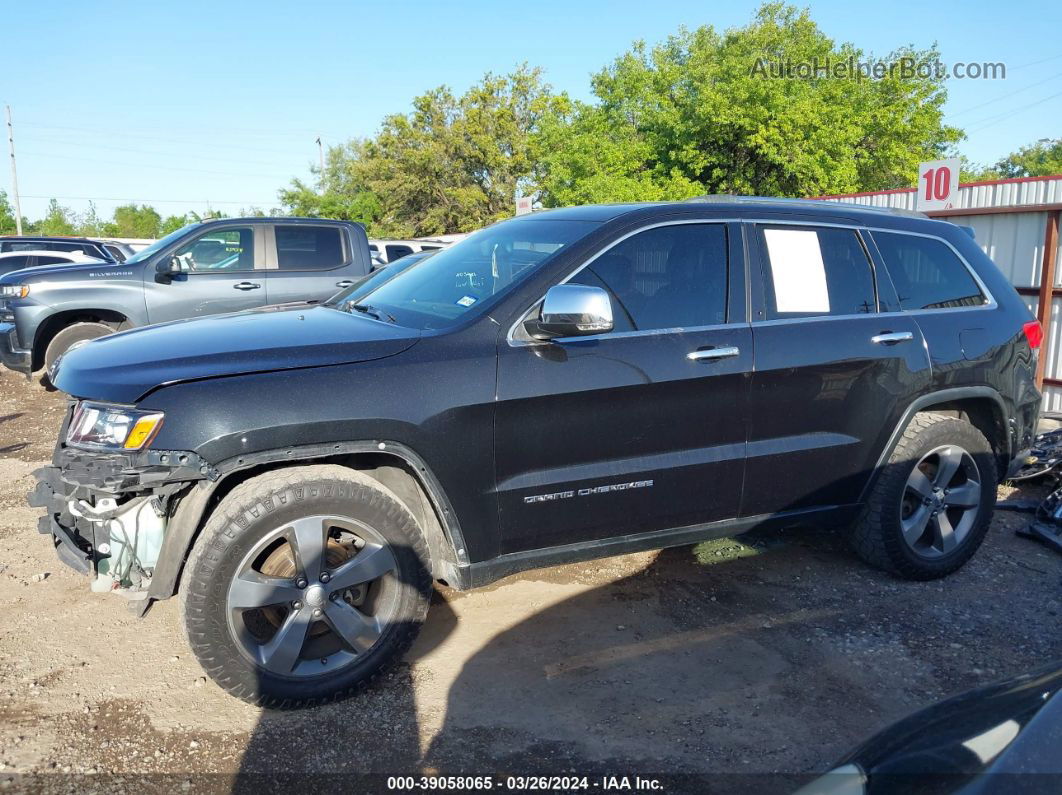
[106, 512]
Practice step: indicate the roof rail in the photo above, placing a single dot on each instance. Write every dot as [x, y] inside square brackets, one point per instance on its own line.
[731, 198]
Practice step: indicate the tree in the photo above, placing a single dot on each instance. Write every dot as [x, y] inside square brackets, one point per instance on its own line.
[131, 220]
[7, 216]
[172, 223]
[89, 224]
[1040, 159]
[57, 221]
[736, 112]
[452, 164]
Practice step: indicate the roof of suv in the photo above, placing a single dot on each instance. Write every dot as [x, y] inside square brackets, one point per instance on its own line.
[47, 238]
[606, 212]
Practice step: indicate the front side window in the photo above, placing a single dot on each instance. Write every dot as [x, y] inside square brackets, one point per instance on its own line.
[307, 248]
[816, 271]
[663, 278]
[16, 263]
[927, 273]
[219, 250]
[458, 281]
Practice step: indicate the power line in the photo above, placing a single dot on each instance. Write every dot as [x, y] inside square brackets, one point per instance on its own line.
[1007, 96]
[144, 201]
[150, 166]
[977, 126]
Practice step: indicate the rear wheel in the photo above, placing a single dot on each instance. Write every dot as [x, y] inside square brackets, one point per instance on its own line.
[304, 585]
[930, 508]
[71, 337]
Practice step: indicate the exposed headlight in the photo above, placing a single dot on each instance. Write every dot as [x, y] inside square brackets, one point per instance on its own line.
[14, 290]
[99, 426]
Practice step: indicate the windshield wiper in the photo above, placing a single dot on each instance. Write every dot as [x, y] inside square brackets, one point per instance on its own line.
[372, 311]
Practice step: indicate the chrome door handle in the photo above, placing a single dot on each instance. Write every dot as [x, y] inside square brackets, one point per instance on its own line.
[892, 337]
[344, 283]
[246, 286]
[712, 353]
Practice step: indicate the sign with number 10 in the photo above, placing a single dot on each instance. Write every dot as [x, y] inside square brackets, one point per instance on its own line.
[938, 184]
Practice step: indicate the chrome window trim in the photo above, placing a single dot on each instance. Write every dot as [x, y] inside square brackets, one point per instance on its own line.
[990, 302]
[515, 343]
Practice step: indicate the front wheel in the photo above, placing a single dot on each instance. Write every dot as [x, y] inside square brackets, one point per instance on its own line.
[71, 337]
[930, 508]
[304, 585]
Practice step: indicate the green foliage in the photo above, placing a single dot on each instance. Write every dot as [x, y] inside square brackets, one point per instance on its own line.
[696, 114]
[131, 220]
[57, 221]
[172, 223]
[453, 164]
[7, 216]
[1041, 159]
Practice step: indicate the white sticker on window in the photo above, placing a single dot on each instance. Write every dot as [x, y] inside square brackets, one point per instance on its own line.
[797, 270]
[466, 300]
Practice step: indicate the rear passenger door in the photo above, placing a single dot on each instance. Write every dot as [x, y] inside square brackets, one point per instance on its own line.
[308, 263]
[836, 365]
[640, 429]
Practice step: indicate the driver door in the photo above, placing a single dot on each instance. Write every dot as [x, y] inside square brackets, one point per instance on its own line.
[223, 271]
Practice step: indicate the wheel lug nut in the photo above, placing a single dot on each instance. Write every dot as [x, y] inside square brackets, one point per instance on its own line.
[300, 583]
[325, 577]
[317, 611]
[297, 605]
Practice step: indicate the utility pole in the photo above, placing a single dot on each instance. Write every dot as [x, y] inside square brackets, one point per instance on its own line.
[320, 154]
[14, 173]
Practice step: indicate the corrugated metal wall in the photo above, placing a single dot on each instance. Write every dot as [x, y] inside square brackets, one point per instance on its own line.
[1014, 241]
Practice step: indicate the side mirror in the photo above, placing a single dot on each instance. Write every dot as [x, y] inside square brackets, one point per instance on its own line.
[168, 268]
[572, 310]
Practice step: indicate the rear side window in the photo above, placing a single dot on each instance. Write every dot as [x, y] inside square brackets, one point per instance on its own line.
[17, 263]
[396, 252]
[308, 248]
[815, 272]
[45, 260]
[927, 273]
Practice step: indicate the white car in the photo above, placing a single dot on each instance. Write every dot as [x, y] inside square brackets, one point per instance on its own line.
[389, 250]
[35, 258]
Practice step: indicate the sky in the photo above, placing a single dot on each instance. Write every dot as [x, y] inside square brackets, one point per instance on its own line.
[195, 105]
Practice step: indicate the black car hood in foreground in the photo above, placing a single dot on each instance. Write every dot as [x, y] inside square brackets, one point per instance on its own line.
[1001, 738]
[123, 367]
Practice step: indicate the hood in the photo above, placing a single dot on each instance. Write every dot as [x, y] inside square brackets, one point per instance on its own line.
[122, 368]
[98, 269]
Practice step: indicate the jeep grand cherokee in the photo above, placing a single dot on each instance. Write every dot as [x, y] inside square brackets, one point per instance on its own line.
[563, 386]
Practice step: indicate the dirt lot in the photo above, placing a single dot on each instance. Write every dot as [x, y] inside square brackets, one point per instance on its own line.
[770, 655]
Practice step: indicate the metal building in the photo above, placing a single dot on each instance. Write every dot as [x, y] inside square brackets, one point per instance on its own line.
[1016, 222]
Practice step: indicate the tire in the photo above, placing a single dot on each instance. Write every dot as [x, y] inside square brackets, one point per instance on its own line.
[932, 443]
[70, 336]
[231, 643]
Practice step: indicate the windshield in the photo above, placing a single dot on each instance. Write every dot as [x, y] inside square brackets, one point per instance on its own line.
[160, 244]
[438, 291]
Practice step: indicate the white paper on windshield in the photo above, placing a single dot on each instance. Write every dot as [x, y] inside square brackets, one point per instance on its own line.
[797, 270]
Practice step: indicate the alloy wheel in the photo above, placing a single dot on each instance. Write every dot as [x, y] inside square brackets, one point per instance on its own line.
[941, 501]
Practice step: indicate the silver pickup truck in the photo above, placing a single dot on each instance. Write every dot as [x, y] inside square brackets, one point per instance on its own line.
[205, 268]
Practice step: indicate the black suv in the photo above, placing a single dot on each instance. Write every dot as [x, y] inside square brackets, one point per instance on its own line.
[562, 386]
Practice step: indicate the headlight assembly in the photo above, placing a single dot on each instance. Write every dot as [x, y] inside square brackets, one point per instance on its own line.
[14, 290]
[98, 426]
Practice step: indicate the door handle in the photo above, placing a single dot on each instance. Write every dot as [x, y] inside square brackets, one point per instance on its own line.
[892, 337]
[712, 353]
[246, 286]
[345, 283]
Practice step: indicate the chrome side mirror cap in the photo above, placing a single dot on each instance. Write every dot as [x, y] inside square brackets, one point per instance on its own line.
[572, 310]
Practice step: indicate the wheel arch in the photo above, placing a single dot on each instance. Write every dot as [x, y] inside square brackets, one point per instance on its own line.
[53, 324]
[981, 406]
[395, 466]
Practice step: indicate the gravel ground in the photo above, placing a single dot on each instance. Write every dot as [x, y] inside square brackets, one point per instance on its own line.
[758, 659]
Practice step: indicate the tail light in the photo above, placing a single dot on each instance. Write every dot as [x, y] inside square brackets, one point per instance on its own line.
[1034, 333]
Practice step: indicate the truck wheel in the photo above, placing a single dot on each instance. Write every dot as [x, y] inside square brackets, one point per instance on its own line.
[930, 508]
[70, 336]
[304, 584]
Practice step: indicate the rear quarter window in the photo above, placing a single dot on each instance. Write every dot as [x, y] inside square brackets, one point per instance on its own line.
[927, 273]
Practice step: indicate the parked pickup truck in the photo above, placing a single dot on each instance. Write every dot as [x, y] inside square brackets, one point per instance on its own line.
[203, 269]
